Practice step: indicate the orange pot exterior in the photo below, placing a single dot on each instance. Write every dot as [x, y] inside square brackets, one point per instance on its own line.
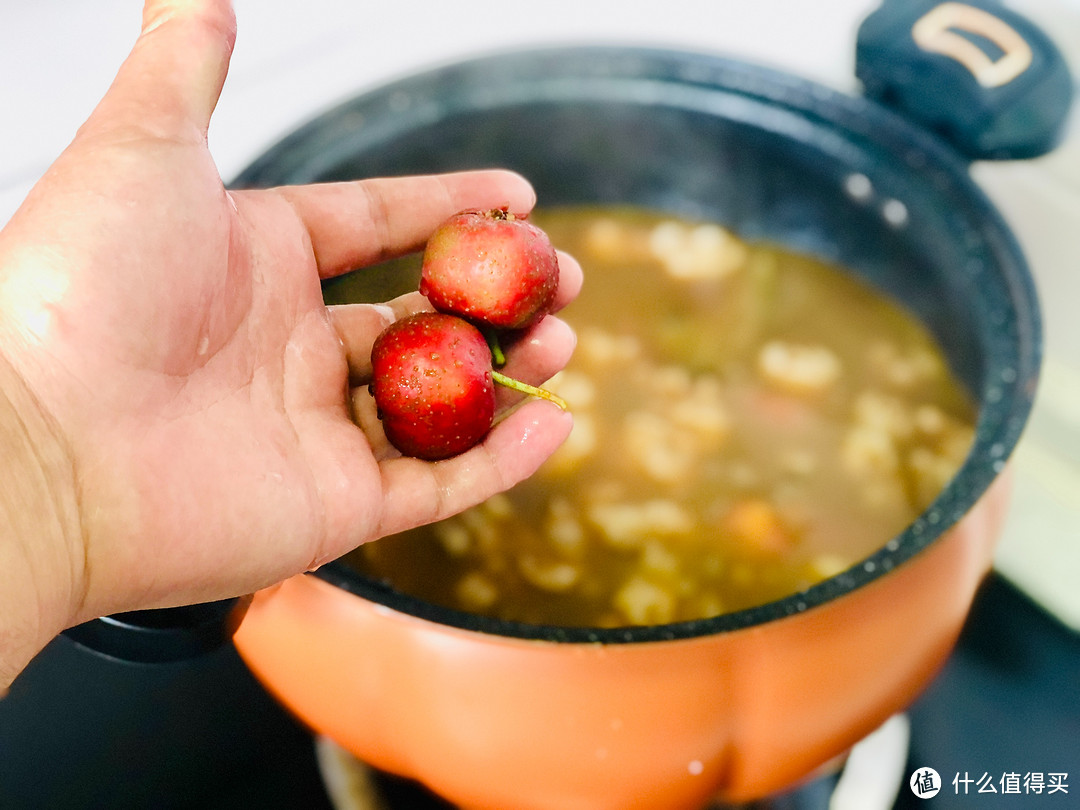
[493, 722]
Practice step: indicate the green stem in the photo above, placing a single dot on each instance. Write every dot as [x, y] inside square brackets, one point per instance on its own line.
[531, 390]
[498, 358]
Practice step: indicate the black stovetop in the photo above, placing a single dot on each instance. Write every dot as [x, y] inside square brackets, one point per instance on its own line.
[79, 731]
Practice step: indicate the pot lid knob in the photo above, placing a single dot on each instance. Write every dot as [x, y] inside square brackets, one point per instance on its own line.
[985, 78]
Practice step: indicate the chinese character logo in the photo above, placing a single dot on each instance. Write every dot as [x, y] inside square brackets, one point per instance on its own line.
[925, 783]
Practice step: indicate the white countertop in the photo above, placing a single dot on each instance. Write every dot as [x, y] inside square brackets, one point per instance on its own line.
[294, 60]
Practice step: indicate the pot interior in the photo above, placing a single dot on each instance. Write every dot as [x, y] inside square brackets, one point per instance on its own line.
[769, 156]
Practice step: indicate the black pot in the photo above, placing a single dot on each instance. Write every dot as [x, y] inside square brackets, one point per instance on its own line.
[878, 184]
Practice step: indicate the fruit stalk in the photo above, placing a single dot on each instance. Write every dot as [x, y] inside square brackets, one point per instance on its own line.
[531, 390]
[498, 357]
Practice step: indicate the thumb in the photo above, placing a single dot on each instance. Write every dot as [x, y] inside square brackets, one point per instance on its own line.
[170, 82]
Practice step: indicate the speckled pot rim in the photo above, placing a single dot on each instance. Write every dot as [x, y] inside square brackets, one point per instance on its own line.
[1011, 338]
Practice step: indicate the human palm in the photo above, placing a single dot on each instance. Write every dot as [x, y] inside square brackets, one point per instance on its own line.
[176, 335]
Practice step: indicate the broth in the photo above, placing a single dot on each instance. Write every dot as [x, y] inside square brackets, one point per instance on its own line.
[748, 421]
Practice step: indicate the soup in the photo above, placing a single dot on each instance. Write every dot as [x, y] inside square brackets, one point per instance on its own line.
[748, 421]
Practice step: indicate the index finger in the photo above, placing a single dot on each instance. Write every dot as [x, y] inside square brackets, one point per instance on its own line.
[357, 223]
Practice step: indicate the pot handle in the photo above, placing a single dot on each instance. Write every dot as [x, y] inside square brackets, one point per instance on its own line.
[988, 80]
[163, 635]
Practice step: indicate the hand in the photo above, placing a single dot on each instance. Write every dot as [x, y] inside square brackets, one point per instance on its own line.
[176, 376]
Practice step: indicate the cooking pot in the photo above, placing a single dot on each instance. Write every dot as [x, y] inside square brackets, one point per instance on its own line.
[495, 714]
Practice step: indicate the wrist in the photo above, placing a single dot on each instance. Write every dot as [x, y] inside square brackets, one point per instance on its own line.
[41, 547]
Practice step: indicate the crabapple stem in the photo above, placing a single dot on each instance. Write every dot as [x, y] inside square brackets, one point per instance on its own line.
[531, 390]
[498, 358]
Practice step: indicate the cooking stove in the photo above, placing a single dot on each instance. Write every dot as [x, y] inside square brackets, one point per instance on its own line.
[79, 731]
